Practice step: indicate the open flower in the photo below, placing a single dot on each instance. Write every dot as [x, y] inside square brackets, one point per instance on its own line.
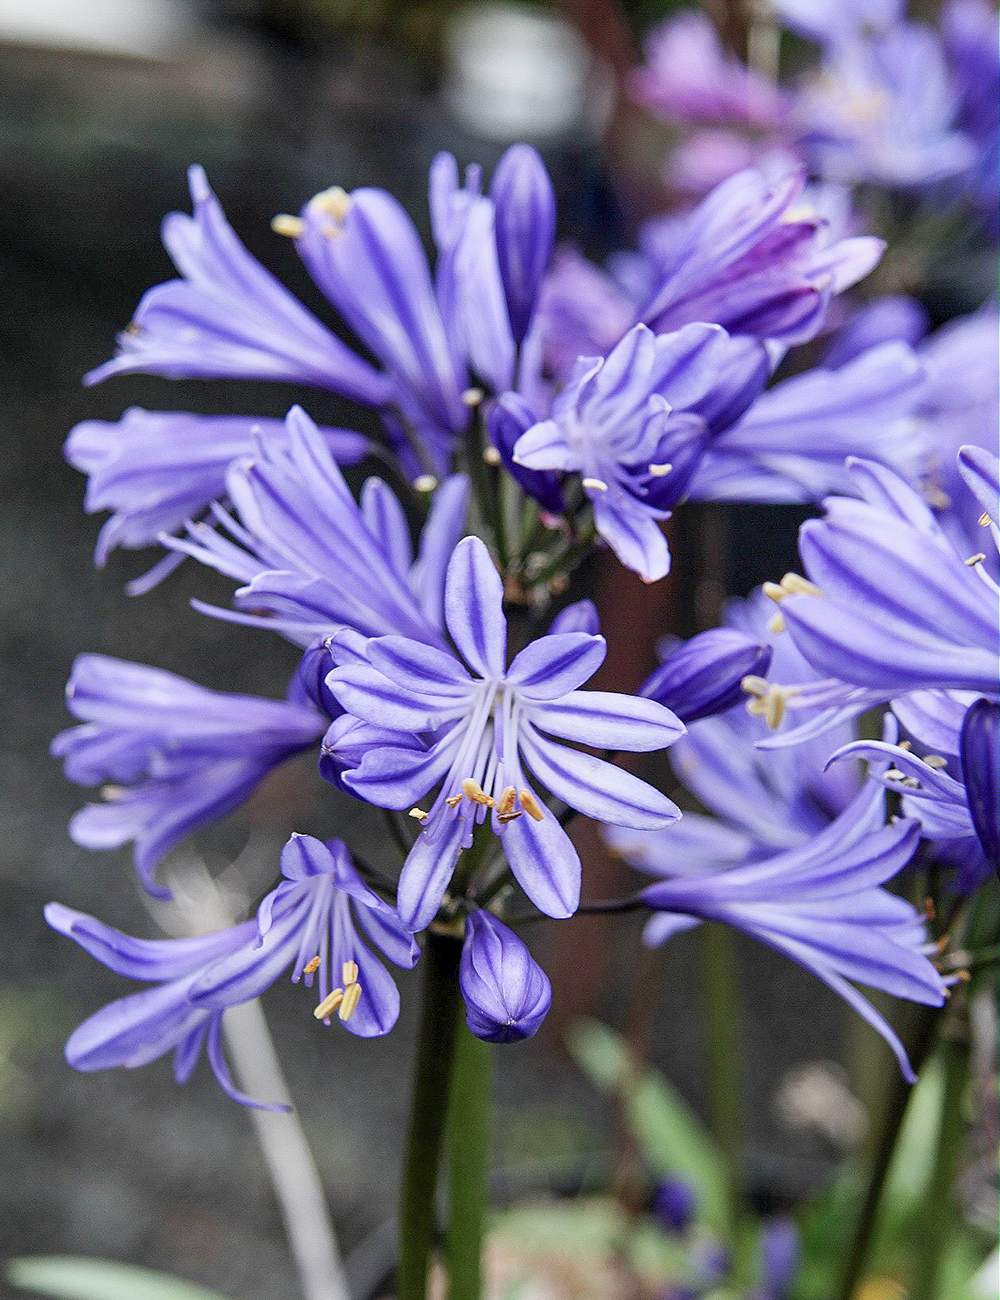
[177, 756]
[310, 923]
[482, 721]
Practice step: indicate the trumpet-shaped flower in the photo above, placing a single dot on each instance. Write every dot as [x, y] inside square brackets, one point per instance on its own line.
[820, 903]
[175, 755]
[482, 721]
[309, 923]
[313, 560]
[507, 994]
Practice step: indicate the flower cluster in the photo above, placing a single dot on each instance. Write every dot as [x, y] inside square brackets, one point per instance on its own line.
[532, 407]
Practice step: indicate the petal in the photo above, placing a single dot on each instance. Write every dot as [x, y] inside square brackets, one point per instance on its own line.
[980, 746]
[544, 862]
[556, 664]
[473, 605]
[543, 447]
[419, 667]
[635, 537]
[370, 695]
[606, 720]
[426, 872]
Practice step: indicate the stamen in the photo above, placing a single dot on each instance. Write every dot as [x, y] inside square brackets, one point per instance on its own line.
[930, 911]
[329, 1004]
[418, 814]
[289, 226]
[473, 396]
[776, 592]
[530, 804]
[504, 818]
[660, 471]
[796, 585]
[906, 744]
[424, 483]
[475, 793]
[595, 484]
[978, 558]
[505, 804]
[352, 996]
[774, 707]
[311, 967]
[755, 685]
[935, 760]
[492, 456]
[985, 520]
[776, 623]
[453, 800]
[756, 708]
[334, 202]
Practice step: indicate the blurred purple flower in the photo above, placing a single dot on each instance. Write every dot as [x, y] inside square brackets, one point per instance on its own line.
[673, 1203]
[479, 726]
[507, 994]
[703, 676]
[176, 756]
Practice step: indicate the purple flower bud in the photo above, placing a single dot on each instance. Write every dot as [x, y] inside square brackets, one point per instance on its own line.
[508, 418]
[702, 676]
[673, 1203]
[507, 994]
[315, 665]
[525, 230]
[980, 746]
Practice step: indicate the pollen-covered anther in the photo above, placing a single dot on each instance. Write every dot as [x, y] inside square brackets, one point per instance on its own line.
[453, 800]
[985, 520]
[417, 814]
[475, 793]
[660, 471]
[329, 1004]
[594, 484]
[775, 703]
[424, 483]
[287, 225]
[505, 804]
[311, 966]
[334, 202]
[752, 685]
[973, 560]
[901, 778]
[473, 396]
[349, 972]
[792, 584]
[774, 591]
[530, 804]
[352, 996]
[776, 623]
[935, 760]
[492, 456]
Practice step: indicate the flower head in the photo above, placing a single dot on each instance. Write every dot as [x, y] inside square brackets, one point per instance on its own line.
[177, 756]
[481, 721]
[309, 923]
[507, 994]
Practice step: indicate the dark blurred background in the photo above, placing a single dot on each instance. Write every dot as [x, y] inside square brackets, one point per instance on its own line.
[102, 107]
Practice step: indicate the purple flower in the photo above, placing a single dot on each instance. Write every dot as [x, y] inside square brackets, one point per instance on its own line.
[970, 31]
[229, 317]
[507, 994]
[688, 77]
[177, 756]
[792, 443]
[753, 258]
[314, 561]
[897, 608]
[157, 469]
[820, 904]
[635, 425]
[703, 676]
[309, 923]
[480, 726]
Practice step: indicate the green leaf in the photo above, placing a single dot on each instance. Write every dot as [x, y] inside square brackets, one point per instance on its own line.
[73, 1277]
[672, 1139]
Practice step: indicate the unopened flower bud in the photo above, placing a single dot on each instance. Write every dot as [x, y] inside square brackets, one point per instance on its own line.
[525, 230]
[702, 676]
[507, 994]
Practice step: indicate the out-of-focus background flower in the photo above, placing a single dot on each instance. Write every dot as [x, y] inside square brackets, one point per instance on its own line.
[102, 107]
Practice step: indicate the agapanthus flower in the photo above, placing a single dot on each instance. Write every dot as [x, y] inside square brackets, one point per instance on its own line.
[172, 756]
[507, 994]
[970, 31]
[820, 904]
[157, 469]
[309, 923]
[704, 676]
[959, 809]
[481, 721]
[688, 77]
[634, 425]
[312, 559]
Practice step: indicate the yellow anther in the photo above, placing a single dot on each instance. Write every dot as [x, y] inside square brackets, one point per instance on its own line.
[754, 685]
[906, 744]
[505, 804]
[802, 212]
[473, 396]
[504, 818]
[936, 760]
[329, 1004]
[311, 967]
[796, 585]
[418, 814]
[774, 707]
[491, 456]
[978, 558]
[424, 483]
[475, 793]
[776, 593]
[756, 707]
[334, 202]
[660, 471]
[530, 804]
[453, 800]
[352, 996]
[349, 972]
[595, 484]
[776, 623]
[290, 227]
[985, 520]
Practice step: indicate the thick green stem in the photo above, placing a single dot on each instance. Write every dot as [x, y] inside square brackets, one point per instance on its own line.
[469, 1134]
[428, 1108]
[892, 1122]
[724, 1047]
[938, 1214]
